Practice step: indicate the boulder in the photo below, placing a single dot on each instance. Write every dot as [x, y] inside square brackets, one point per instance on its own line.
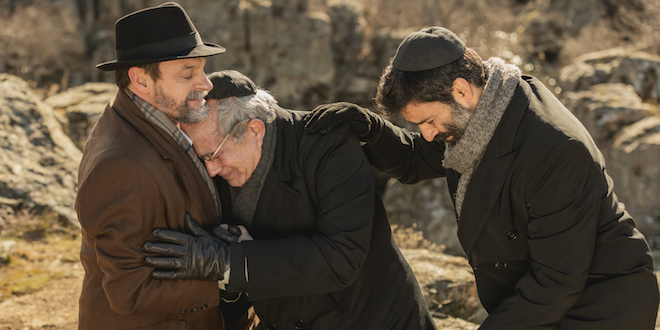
[280, 45]
[39, 163]
[7, 247]
[618, 65]
[615, 95]
[604, 109]
[426, 206]
[448, 286]
[634, 165]
[81, 106]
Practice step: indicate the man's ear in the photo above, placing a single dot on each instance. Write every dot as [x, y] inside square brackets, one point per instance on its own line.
[139, 79]
[462, 92]
[256, 129]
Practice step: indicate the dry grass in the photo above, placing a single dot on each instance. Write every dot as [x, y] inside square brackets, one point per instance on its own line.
[42, 250]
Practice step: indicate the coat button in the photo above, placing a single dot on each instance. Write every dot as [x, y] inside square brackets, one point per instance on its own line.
[500, 265]
[512, 235]
[204, 307]
[194, 309]
[183, 311]
[300, 324]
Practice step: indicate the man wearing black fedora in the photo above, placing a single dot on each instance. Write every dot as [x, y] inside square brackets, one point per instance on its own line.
[138, 172]
[550, 244]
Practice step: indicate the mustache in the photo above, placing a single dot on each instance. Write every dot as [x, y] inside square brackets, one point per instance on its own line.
[442, 137]
[196, 95]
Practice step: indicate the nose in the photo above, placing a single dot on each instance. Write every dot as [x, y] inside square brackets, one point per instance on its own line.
[428, 133]
[204, 83]
[212, 168]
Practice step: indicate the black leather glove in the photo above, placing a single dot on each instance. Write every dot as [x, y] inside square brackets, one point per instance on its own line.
[229, 235]
[182, 256]
[353, 119]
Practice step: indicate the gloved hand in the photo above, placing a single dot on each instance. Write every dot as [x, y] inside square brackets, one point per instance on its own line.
[182, 256]
[231, 233]
[352, 118]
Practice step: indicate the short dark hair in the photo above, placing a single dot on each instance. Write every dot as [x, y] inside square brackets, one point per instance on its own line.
[122, 79]
[396, 88]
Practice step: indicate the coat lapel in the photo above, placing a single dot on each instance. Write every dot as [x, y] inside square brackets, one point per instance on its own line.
[278, 192]
[488, 179]
[195, 185]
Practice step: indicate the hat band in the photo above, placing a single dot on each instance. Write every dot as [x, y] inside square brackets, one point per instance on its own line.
[159, 49]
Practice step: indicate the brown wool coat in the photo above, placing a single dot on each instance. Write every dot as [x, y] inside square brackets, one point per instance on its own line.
[134, 178]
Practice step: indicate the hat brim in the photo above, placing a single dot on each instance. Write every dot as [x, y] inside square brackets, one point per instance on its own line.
[204, 50]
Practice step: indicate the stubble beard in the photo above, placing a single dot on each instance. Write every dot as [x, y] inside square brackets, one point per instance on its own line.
[181, 112]
[460, 118]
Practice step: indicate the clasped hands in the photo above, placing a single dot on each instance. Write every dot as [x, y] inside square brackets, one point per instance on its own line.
[193, 255]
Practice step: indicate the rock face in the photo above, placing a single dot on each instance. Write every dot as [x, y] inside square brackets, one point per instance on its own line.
[280, 45]
[614, 94]
[39, 162]
[81, 106]
[618, 65]
[428, 207]
[448, 285]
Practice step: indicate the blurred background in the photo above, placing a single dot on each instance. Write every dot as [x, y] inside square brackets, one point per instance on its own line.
[600, 57]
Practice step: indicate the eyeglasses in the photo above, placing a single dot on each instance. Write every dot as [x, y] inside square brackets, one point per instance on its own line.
[210, 159]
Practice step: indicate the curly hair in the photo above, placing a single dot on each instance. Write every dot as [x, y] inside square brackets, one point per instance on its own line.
[396, 88]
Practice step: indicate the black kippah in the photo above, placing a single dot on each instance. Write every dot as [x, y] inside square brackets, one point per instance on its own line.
[230, 83]
[427, 49]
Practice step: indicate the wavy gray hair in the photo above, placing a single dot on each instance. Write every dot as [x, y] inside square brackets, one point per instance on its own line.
[234, 112]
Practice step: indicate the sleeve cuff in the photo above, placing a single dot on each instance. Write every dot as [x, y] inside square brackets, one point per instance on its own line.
[225, 280]
[238, 279]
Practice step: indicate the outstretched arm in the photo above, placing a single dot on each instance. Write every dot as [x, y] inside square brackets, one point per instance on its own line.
[396, 151]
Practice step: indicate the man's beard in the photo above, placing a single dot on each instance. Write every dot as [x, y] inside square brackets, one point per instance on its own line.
[460, 118]
[181, 112]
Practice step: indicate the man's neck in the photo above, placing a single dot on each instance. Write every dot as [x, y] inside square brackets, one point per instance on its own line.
[144, 96]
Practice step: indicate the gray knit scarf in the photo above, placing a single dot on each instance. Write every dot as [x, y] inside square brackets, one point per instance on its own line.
[244, 199]
[464, 157]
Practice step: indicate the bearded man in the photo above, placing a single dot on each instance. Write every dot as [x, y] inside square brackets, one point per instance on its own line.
[138, 173]
[550, 244]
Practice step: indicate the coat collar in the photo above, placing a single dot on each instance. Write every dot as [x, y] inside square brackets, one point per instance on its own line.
[290, 129]
[169, 150]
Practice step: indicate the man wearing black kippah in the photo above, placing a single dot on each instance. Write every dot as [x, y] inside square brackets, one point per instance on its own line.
[323, 255]
[550, 244]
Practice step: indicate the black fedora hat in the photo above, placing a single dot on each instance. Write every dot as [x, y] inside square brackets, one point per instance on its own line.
[157, 34]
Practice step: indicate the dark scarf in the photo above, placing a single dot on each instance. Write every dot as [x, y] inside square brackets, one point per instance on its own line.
[244, 199]
[465, 156]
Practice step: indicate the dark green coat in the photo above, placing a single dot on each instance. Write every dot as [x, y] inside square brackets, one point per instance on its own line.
[323, 256]
[548, 240]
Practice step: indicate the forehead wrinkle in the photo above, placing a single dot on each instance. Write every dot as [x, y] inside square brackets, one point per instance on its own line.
[191, 65]
[212, 137]
[419, 122]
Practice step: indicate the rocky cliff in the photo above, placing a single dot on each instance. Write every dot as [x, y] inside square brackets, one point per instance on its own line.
[309, 52]
[39, 166]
